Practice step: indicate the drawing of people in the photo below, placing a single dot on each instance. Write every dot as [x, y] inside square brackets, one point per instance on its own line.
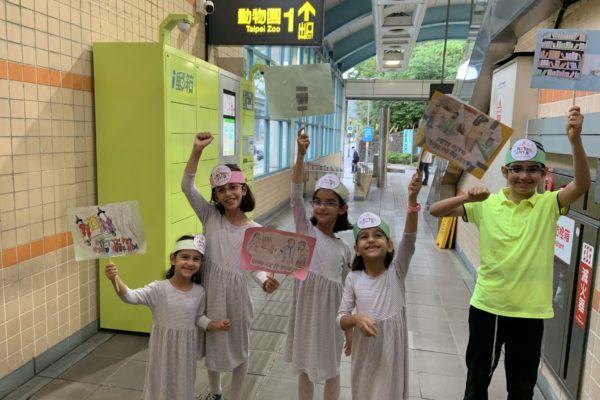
[288, 252]
[267, 244]
[475, 132]
[253, 244]
[106, 222]
[84, 229]
[451, 126]
[433, 115]
[98, 248]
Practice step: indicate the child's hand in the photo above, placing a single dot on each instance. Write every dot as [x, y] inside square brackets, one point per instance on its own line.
[476, 194]
[271, 284]
[574, 122]
[202, 140]
[111, 271]
[348, 343]
[219, 325]
[365, 324]
[415, 185]
[303, 140]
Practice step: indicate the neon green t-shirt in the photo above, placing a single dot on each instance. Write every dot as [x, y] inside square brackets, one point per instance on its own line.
[516, 243]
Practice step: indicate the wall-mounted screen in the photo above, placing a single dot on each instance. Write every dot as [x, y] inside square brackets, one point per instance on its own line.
[228, 116]
[228, 103]
[228, 136]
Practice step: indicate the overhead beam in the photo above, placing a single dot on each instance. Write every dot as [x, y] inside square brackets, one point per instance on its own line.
[378, 89]
[351, 43]
[456, 30]
[357, 57]
[344, 13]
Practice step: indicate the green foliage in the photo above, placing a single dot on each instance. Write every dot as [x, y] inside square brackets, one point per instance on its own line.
[395, 157]
[425, 63]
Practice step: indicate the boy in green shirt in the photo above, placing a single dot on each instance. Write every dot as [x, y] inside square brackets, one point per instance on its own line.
[513, 292]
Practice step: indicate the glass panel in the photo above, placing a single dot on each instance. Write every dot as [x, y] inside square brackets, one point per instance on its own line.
[285, 144]
[274, 148]
[276, 54]
[260, 96]
[260, 129]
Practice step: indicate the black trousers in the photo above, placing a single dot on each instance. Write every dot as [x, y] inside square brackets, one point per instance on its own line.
[522, 340]
[424, 167]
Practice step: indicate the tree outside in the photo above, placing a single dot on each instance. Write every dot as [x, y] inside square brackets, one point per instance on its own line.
[425, 63]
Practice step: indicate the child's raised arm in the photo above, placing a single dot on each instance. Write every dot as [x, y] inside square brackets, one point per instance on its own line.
[453, 206]
[303, 143]
[581, 171]
[112, 273]
[201, 140]
[412, 217]
[198, 203]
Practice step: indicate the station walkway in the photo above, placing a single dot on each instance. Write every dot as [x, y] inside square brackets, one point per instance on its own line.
[110, 365]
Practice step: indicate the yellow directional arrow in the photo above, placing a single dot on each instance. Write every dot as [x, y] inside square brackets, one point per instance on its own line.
[307, 9]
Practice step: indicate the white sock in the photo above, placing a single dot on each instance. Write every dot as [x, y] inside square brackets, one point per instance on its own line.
[214, 380]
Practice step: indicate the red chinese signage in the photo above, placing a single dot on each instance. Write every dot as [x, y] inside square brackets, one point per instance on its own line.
[582, 296]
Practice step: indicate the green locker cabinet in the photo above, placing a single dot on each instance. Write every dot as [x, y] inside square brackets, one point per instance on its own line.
[150, 100]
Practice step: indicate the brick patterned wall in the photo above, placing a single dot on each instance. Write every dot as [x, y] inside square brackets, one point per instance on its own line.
[47, 161]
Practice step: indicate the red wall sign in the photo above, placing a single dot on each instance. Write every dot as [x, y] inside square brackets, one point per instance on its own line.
[582, 296]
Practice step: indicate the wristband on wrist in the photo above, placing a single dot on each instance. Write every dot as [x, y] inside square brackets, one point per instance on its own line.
[413, 209]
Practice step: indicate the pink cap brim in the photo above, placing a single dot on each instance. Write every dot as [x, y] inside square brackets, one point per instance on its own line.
[236, 177]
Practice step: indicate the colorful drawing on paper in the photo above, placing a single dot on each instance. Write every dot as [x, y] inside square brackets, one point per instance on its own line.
[461, 134]
[107, 231]
[567, 59]
[273, 250]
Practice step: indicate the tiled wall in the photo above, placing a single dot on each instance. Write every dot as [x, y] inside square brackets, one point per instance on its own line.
[47, 161]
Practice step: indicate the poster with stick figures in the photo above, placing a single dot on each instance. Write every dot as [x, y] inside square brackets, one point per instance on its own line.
[461, 134]
[107, 230]
[277, 251]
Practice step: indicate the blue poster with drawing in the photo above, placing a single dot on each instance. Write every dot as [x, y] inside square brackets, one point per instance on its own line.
[567, 59]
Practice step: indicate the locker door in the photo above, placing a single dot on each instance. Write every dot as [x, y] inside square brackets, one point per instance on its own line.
[580, 307]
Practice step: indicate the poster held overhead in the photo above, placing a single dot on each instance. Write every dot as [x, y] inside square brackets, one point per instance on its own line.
[567, 59]
[299, 90]
[461, 134]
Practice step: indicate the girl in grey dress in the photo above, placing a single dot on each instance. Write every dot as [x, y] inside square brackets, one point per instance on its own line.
[227, 295]
[177, 305]
[376, 289]
[314, 342]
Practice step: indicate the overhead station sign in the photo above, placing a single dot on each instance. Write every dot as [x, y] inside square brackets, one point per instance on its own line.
[267, 22]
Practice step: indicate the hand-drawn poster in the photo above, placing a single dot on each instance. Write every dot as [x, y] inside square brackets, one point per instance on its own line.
[299, 90]
[107, 231]
[567, 59]
[461, 134]
[282, 252]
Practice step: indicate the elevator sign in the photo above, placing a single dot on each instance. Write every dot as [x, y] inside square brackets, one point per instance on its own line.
[267, 22]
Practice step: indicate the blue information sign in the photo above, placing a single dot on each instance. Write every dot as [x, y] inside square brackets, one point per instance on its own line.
[368, 134]
[407, 141]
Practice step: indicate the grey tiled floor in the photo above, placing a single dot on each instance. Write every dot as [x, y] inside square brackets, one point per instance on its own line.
[111, 365]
